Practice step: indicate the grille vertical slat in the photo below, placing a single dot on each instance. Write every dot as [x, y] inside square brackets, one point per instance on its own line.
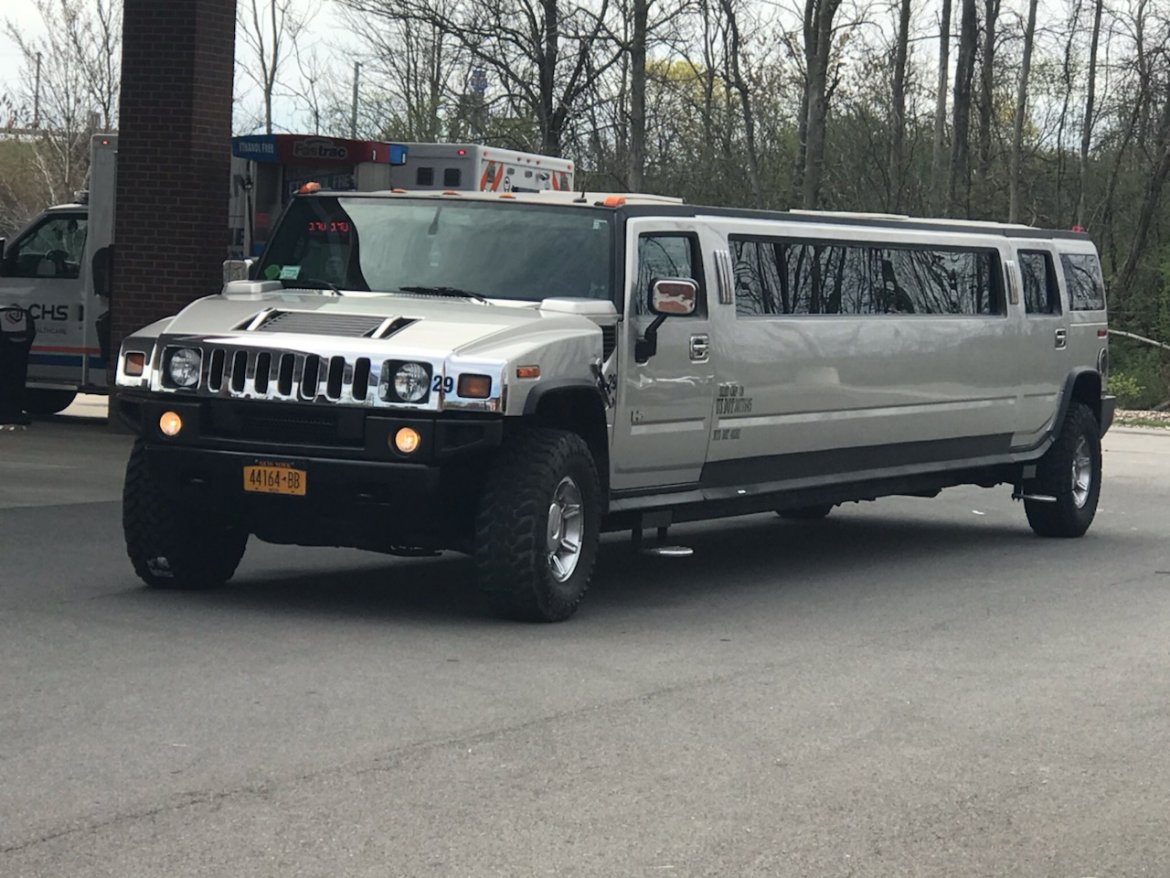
[239, 371]
[361, 379]
[335, 377]
[309, 377]
[284, 381]
[215, 371]
[263, 372]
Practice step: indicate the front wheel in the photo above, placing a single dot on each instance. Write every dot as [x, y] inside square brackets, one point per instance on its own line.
[174, 543]
[538, 525]
[1070, 472]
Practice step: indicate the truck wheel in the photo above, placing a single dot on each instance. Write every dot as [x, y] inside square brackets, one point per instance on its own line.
[1071, 472]
[805, 513]
[48, 402]
[537, 526]
[173, 545]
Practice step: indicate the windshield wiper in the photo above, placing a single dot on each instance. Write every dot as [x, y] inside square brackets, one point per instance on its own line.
[452, 292]
[311, 284]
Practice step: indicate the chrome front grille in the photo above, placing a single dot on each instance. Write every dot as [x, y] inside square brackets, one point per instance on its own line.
[287, 376]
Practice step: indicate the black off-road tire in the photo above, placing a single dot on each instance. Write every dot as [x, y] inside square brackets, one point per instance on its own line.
[1057, 476]
[172, 543]
[48, 402]
[805, 513]
[512, 525]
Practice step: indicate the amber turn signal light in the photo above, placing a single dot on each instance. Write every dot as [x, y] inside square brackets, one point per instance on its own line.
[170, 424]
[407, 440]
[528, 371]
[135, 364]
[475, 386]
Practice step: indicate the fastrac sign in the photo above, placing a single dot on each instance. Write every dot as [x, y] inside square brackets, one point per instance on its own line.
[320, 149]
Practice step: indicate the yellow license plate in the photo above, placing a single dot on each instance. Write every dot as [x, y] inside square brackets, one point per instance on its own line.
[275, 479]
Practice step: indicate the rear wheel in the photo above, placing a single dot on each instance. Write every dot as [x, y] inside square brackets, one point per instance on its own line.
[1070, 472]
[805, 513]
[173, 543]
[48, 402]
[538, 525]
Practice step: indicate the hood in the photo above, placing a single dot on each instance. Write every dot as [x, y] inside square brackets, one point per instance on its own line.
[420, 325]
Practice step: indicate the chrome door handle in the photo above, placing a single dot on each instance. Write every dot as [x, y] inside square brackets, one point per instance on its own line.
[1061, 339]
[700, 348]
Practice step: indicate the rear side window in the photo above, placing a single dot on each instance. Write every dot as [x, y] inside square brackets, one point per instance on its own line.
[425, 176]
[774, 276]
[452, 177]
[1086, 287]
[1041, 294]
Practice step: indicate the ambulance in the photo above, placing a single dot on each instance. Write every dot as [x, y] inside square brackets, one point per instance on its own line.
[58, 268]
[473, 166]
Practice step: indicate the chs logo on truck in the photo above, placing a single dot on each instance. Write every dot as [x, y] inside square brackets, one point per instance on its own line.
[510, 377]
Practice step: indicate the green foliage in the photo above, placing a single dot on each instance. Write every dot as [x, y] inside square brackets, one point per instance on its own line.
[1138, 374]
[1128, 391]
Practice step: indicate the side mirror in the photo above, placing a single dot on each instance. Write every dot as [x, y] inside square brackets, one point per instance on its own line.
[237, 269]
[674, 297]
[669, 297]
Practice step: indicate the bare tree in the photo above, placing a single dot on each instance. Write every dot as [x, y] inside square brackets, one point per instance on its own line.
[938, 152]
[964, 73]
[898, 106]
[266, 28]
[987, 95]
[1018, 119]
[545, 55]
[818, 45]
[1087, 123]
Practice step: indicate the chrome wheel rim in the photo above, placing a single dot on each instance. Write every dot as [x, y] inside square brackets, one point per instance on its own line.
[1082, 473]
[566, 527]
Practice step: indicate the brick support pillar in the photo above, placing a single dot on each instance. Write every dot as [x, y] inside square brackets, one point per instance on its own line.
[174, 157]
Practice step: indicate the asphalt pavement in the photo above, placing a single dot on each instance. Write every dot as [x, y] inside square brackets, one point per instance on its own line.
[910, 687]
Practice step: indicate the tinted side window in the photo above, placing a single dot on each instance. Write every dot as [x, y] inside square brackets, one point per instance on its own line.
[1041, 295]
[759, 288]
[662, 256]
[1086, 287]
[779, 277]
[425, 177]
[54, 248]
[452, 177]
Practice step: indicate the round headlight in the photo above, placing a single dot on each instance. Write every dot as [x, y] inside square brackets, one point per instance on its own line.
[183, 368]
[410, 382]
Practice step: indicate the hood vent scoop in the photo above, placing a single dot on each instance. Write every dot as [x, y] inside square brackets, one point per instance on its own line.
[318, 323]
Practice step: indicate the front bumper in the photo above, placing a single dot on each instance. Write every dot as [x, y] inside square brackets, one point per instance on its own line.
[359, 490]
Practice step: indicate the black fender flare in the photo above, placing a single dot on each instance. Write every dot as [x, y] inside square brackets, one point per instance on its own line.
[1102, 407]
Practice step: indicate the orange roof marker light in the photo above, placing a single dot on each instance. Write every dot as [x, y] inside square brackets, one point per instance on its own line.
[309, 188]
[614, 200]
[450, 192]
[507, 195]
[398, 191]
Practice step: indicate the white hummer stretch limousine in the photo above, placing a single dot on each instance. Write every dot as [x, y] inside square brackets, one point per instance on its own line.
[511, 375]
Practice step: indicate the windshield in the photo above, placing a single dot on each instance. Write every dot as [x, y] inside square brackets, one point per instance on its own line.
[504, 251]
